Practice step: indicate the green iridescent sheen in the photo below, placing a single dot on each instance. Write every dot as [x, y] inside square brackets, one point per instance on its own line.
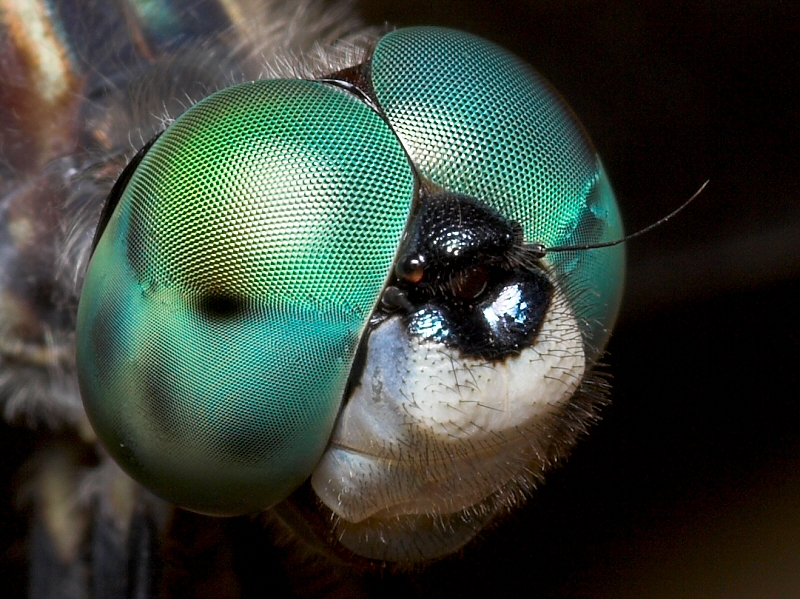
[477, 120]
[225, 300]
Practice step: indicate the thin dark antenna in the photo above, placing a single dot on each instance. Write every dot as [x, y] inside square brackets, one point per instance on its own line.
[592, 246]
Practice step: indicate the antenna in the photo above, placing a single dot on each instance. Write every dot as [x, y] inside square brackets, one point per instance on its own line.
[606, 244]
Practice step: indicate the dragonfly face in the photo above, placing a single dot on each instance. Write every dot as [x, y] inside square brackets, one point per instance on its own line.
[335, 279]
[322, 295]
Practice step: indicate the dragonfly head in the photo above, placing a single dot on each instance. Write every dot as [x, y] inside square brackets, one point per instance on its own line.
[336, 279]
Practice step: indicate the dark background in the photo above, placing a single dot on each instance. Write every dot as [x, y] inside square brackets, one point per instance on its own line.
[690, 486]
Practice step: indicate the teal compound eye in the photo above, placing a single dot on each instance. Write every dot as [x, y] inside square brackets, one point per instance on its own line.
[225, 299]
[479, 121]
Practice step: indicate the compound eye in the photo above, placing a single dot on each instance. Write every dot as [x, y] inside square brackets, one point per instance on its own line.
[230, 287]
[478, 121]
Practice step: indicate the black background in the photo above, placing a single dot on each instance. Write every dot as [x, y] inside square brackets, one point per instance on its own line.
[690, 486]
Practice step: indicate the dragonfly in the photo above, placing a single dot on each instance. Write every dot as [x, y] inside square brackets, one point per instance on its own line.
[260, 258]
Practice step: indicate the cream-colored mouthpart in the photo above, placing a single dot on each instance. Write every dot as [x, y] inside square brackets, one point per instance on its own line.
[429, 431]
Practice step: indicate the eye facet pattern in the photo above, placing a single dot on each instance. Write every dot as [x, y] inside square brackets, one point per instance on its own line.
[478, 121]
[224, 303]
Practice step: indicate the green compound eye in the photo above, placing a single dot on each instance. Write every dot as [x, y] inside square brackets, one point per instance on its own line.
[478, 121]
[226, 297]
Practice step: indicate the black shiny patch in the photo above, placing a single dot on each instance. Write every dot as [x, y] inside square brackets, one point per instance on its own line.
[463, 278]
[454, 234]
[505, 321]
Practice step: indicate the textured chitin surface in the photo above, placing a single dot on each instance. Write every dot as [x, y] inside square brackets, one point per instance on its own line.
[479, 121]
[224, 303]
